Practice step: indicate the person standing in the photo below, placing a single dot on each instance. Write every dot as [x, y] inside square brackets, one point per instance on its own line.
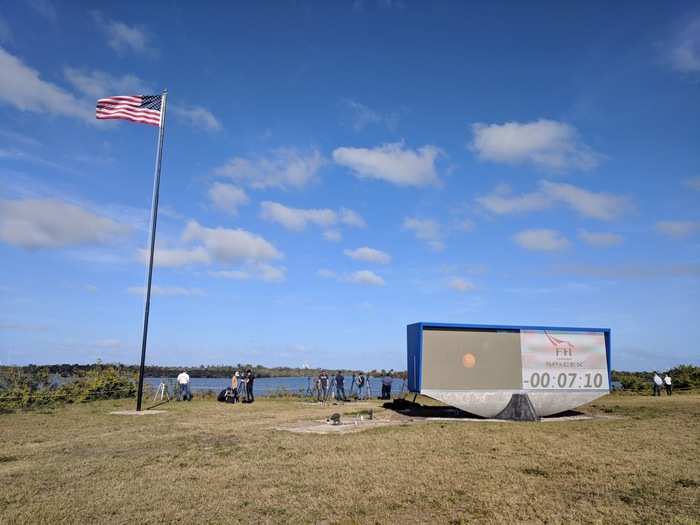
[361, 385]
[386, 386]
[668, 383]
[249, 380]
[657, 384]
[340, 386]
[234, 386]
[184, 381]
[323, 383]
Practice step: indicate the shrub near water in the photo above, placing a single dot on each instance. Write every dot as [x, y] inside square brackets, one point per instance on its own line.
[34, 388]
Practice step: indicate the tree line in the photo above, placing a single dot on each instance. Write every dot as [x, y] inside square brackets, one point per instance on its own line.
[685, 377]
[209, 371]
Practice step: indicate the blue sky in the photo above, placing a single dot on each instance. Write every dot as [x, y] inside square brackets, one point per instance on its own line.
[335, 171]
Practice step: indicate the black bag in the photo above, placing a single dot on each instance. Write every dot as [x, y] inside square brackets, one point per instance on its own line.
[222, 395]
[227, 395]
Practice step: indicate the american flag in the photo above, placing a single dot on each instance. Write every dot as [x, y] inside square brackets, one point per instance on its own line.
[136, 108]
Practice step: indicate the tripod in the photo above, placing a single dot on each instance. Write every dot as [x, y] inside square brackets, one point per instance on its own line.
[310, 387]
[367, 387]
[162, 391]
[330, 390]
[352, 387]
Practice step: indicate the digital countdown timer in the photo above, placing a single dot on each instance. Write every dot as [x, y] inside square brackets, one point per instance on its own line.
[563, 360]
[566, 380]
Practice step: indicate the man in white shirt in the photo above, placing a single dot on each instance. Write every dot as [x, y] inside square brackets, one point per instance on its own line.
[184, 381]
[668, 383]
[657, 384]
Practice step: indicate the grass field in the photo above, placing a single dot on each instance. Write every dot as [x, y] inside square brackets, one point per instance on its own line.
[207, 462]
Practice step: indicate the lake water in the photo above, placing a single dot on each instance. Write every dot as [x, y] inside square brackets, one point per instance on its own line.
[266, 385]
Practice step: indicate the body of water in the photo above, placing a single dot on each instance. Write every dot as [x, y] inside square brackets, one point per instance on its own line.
[266, 385]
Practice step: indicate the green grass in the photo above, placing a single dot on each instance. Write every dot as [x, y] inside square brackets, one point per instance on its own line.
[208, 462]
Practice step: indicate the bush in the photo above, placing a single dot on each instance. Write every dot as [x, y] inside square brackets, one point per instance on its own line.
[33, 388]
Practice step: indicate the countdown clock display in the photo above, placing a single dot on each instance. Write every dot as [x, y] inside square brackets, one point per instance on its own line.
[479, 367]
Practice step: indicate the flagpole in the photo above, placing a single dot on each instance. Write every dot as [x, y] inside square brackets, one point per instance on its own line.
[154, 220]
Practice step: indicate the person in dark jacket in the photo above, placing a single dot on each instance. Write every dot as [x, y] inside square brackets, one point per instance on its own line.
[362, 387]
[340, 386]
[323, 384]
[386, 386]
[249, 380]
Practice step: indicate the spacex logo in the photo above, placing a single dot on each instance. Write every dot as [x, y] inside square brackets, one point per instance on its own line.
[561, 348]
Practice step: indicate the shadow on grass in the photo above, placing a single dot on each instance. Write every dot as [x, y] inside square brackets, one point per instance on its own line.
[411, 409]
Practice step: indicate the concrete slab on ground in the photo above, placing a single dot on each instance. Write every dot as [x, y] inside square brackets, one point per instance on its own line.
[322, 427]
[135, 413]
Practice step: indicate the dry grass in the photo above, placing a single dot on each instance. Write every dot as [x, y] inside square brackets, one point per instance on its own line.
[206, 462]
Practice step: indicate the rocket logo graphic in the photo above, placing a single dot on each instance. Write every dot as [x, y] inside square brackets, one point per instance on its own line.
[561, 347]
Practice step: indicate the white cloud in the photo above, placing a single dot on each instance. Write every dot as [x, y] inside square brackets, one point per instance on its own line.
[282, 168]
[693, 183]
[600, 238]
[50, 223]
[176, 257]
[124, 38]
[352, 218]
[603, 206]
[45, 8]
[427, 230]
[368, 254]
[228, 245]
[22, 88]
[685, 52]
[296, 218]
[541, 240]
[221, 245]
[596, 205]
[361, 116]
[501, 201]
[227, 197]
[461, 285]
[98, 84]
[392, 163]
[677, 229]
[332, 235]
[166, 290]
[197, 116]
[256, 270]
[542, 143]
[269, 273]
[365, 277]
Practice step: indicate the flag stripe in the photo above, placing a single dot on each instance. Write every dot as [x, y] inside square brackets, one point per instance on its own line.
[134, 108]
[114, 100]
[134, 111]
[131, 119]
[129, 114]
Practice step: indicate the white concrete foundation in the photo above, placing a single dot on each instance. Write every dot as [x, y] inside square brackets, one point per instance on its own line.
[488, 403]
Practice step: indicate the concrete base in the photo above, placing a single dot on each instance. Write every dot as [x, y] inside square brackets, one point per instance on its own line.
[135, 413]
[519, 408]
[488, 403]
